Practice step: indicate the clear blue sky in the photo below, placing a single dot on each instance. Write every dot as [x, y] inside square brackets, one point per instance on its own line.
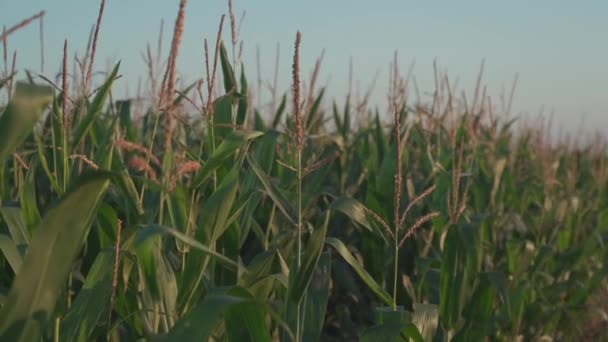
[559, 49]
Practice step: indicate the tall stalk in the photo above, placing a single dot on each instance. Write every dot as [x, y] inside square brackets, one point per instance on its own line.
[299, 195]
[299, 135]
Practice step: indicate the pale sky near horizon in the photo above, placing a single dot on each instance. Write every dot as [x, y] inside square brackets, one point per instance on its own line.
[558, 49]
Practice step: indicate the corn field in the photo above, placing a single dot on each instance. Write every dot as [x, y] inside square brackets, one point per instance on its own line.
[197, 215]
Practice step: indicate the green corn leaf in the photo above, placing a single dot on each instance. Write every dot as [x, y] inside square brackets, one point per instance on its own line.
[35, 290]
[453, 280]
[265, 149]
[91, 302]
[258, 269]
[274, 193]
[151, 230]
[220, 204]
[158, 274]
[315, 302]
[385, 183]
[45, 166]
[222, 118]
[241, 115]
[94, 108]
[478, 313]
[246, 321]
[392, 332]
[313, 116]
[353, 209]
[346, 125]
[380, 138]
[279, 113]
[586, 289]
[15, 224]
[337, 120]
[258, 121]
[199, 323]
[178, 208]
[392, 325]
[227, 148]
[458, 270]
[125, 183]
[303, 277]
[151, 263]
[27, 198]
[229, 78]
[11, 253]
[236, 305]
[216, 212]
[125, 120]
[107, 223]
[20, 116]
[359, 269]
[264, 153]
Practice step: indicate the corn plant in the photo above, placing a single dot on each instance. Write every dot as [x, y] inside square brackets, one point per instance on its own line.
[199, 214]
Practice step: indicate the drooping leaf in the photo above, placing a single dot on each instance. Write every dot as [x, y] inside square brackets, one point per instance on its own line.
[359, 269]
[151, 230]
[353, 209]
